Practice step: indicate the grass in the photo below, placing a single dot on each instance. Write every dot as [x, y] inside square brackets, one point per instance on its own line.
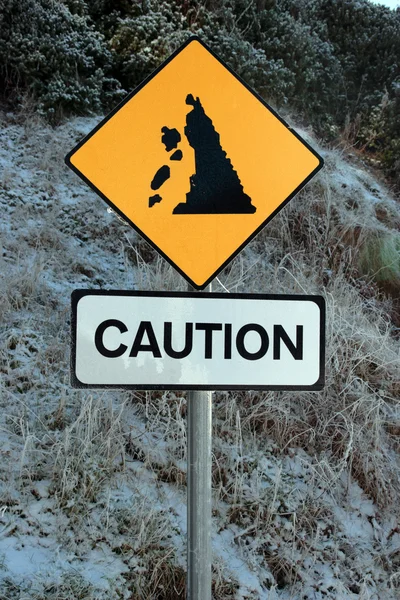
[380, 259]
[72, 585]
[89, 452]
[283, 463]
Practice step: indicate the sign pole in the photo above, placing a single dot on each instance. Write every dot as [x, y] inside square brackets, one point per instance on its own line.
[115, 160]
[199, 419]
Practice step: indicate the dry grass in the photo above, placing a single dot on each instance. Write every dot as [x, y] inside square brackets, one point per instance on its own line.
[89, 452]
[350, 430]
[152, 271]
[71, 585]
[160, 578]
[337, 238]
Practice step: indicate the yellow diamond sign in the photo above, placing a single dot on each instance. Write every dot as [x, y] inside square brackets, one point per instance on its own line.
[195, 161]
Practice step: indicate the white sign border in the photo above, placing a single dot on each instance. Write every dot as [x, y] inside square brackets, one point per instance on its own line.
[77, 295]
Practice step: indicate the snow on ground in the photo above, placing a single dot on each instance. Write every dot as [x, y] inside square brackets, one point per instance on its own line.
[92, 486]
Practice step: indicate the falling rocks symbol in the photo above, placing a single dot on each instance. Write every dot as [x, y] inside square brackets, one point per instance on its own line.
[215, 187]
[170, 138]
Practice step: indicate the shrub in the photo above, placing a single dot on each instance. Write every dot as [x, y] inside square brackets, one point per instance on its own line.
[315, 71]
[142, 37]
[380, 132]
[56, 56]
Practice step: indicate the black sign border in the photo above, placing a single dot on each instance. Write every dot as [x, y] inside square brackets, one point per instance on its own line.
[123, 216]
[77, 295]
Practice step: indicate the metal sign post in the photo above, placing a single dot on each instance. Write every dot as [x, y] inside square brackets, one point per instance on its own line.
[199, 423]
[199, 417]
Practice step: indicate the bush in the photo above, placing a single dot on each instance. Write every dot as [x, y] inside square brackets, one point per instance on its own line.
[380, 133]
[142, 37]
[54, 55]
[361, 92]
[334, 62]
[315, 71]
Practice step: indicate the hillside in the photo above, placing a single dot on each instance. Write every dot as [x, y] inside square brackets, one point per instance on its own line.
[306, 489]
[332, 63]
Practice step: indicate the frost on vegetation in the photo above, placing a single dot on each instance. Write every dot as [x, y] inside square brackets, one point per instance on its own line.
[90, 450]
[333, 63]
[69, 585]
[41, 36]
[305, 485]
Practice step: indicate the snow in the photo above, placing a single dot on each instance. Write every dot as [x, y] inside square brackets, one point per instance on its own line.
[225, 548]
[57, 236]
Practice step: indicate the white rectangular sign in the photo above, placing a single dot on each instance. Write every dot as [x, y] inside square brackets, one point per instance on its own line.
[201, 341]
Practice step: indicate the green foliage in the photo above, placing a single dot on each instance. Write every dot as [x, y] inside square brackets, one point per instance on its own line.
[334, 62]
[380, 258]
[366, 40]
[314, 69]
[144, 36]
[54, 55]
[380, 132]
[356, 75]
[267, 74]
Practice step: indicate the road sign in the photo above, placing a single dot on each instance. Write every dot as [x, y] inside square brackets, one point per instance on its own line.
[173, 340]
[195, 161]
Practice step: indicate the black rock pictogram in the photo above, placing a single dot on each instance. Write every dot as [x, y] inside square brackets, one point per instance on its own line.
[170, 138]
[154, 200]
[160, 177]
[215, 187]
[177, 155]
